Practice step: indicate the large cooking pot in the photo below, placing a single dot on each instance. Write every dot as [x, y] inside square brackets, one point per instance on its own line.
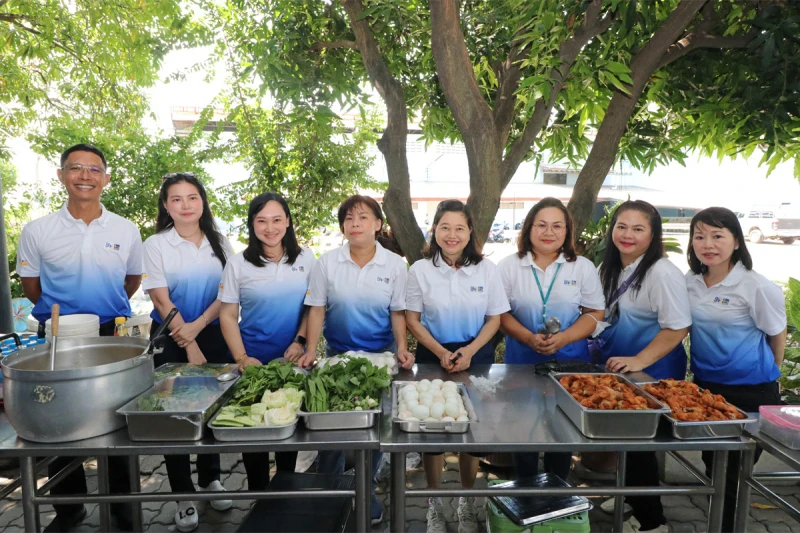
[93, 377]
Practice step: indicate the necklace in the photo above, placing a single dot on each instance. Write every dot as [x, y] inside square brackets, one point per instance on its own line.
[190, 236]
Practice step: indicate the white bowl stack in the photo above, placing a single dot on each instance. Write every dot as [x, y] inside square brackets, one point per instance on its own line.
[76, 326]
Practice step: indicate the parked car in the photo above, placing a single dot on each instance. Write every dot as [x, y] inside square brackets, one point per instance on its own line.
[762, 222]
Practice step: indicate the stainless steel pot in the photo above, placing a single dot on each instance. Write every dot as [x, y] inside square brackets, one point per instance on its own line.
[93, 377]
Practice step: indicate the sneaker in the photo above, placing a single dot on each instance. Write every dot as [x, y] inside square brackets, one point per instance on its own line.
[585, 473]
[436, 520]
[376, 511]
[608, 506]
[218, 505]
[467, 516]
[633, 526]
[62, 523]
[186, 518]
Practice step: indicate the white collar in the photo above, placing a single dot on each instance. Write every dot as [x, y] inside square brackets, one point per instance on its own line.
[444, 268]
[175, 239]
[527, 261]
[68, 219]
[378, 259]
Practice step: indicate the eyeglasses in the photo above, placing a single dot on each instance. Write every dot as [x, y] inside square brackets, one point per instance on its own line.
[176, 175]
[75, 169]
[556, 228]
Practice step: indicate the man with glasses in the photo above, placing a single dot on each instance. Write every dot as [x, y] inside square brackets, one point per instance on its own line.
[87, 260]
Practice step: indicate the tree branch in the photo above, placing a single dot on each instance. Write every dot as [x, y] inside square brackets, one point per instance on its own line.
[592, 26]
[342, 43]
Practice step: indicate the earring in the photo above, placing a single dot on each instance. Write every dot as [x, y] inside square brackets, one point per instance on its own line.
[735, 248]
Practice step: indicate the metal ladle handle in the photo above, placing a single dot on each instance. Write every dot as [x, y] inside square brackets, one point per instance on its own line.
[54, 312]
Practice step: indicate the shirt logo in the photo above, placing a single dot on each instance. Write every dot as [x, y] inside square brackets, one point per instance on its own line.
[723, 301]
[572, 282]
[23, 262]
[144, 276]
[480, 288]
[301, 269]
[308, 292]
[108, 245]
[221, 286]
[116, 247]
[473, 288]
[384, 280]
[213, 254]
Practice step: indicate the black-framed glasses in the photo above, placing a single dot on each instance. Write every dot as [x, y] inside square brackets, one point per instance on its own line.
[176, 175]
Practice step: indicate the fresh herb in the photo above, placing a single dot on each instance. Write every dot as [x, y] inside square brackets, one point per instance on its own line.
[256, 380]
[352, 384]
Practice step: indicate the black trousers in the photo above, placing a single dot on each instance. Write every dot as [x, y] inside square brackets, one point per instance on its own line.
[75, 482]
[526, 464]
[747, 398]
[642, 471]
[257, 467]
[179, 468]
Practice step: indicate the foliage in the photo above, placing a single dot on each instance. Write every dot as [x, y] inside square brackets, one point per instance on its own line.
[84, 59]
[790, 370]
[15, 215]
[351, 384]
[257, 379]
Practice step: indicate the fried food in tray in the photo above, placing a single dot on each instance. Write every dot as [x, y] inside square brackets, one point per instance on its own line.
[604, 392]
[690, 403]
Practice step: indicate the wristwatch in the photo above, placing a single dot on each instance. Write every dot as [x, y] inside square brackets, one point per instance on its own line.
[300, 340]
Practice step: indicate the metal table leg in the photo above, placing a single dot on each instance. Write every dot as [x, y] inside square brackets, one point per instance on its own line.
[398, 494]
[619, 501]
[30, 511]
[363, 490]
[717, 505]
[103, 488]
[135, 486]
[743, 496]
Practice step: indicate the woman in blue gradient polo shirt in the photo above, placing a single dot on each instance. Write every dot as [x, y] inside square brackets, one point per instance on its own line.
[738, 333]
[359, 292]
[268, 280]
[546, 278]
[455, 299]
[183, 264]
[648, 312]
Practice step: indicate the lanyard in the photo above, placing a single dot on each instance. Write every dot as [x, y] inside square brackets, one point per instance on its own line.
[541, 292]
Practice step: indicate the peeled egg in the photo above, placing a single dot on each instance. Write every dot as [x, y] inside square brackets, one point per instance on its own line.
[411, 395]
[411, 403]
[437, 383]
[405, 414]
[437, 410]
[431, 419]
[412, 419]
[425, 381]
[463, 413]
[421, 411]
[448, 419]
[449, 394]
[452, 410]
[402, 406]
[449, 385]
[426, 402]
[426, 396]
[438, 399]
[423, 387]
[408, 387]
[463, 418]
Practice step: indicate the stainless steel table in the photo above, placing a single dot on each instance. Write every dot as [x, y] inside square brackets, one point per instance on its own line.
[522, 416]
[789, 457]
[117, 443]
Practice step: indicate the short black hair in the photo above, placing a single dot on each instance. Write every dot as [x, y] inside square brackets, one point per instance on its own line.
[83, 147]
[370, 204]
[718, 217]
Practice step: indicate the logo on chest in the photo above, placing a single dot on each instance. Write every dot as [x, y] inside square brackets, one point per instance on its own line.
[383, 280]
[571, 282]
[114, 247]
[722, 301]
[298, 269]
[476, 288]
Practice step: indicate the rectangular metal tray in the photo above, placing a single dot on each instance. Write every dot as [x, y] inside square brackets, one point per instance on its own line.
[245, 434]
[415, 426]
[175, 425]
[600, 424]
[340, 419]
[711, 429]
[187, 369]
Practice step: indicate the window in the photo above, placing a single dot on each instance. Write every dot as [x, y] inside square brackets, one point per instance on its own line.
[555, 179]
[512, 205]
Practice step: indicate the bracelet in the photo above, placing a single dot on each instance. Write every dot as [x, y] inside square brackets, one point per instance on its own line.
[204, 317]
[242, 358]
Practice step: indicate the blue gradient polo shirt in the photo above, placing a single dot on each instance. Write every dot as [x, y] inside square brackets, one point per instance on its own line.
[81, 267]
[661, 302]
[454, 303]
[271, 300]
[191, 273]
[358, 301]
[576, 285]
[730, 324]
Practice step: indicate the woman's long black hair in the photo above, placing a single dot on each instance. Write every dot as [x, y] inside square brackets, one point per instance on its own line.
[718, 217]
[209, 228]
[611, 268]
[470, 255]
[254, 253]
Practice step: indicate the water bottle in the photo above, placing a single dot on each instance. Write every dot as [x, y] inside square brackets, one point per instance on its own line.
[120, 329]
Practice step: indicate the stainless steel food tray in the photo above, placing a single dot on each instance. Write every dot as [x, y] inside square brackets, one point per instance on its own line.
[175, 425]
[245, 434]
[341, 419]
[710, 429]
[415, 426]
[187, 369]
[618, 424]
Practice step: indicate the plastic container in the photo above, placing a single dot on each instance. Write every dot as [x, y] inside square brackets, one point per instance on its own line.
[139, 326]
[76, 326]
[497, 522]
[782, 423]
[120, 329]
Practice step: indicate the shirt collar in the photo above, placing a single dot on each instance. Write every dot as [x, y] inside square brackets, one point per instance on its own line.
[633, 265]
[733, 278]
[174, 238]
[527, 261]
[379, 259]
[68, 219]
[444, 268]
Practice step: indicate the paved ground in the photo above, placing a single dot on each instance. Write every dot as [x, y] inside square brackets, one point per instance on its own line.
[684, 513]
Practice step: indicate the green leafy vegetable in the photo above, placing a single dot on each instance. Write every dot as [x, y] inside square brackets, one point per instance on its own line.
[256, 380]
[353, 384]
